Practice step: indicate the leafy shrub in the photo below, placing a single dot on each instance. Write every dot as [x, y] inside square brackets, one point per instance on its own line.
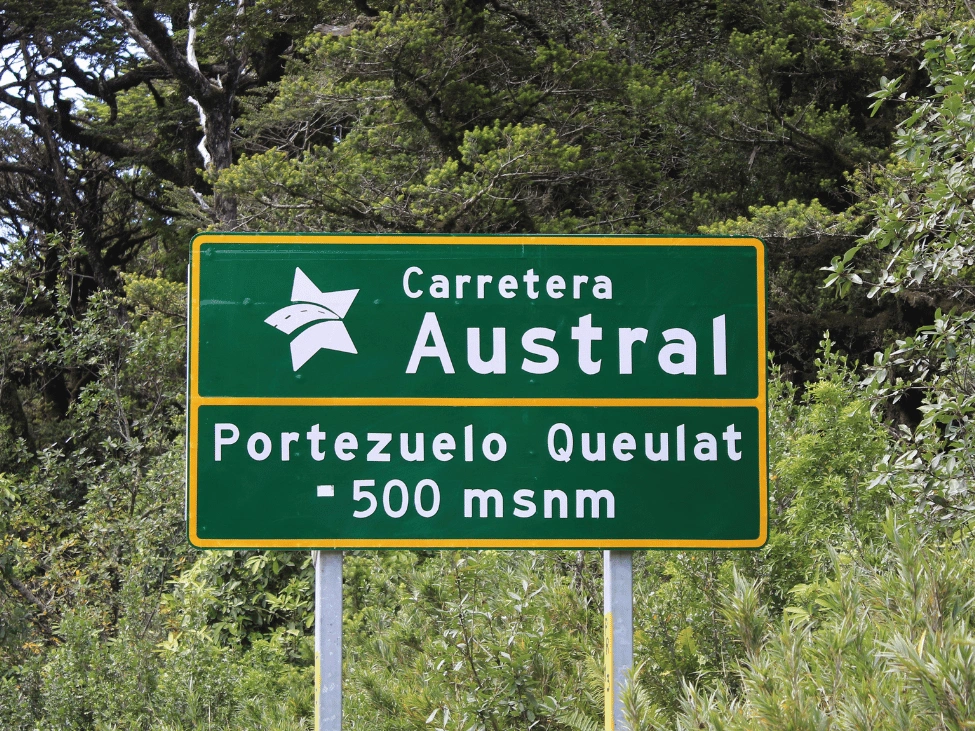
[887, 642]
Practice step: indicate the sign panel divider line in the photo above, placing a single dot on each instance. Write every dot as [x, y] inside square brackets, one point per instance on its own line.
[541, 402]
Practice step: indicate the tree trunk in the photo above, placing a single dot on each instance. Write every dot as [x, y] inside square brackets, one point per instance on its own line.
[219, 124]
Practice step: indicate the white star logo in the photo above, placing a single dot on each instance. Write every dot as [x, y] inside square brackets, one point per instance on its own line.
[314, 306]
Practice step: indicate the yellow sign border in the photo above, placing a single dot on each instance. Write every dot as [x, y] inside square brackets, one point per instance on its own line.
[195, 401]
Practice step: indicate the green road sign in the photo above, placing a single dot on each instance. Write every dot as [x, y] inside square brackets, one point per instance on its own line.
[351, 391]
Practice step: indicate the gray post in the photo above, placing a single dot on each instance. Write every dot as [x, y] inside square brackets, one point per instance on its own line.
[328, 640]
[617, 630]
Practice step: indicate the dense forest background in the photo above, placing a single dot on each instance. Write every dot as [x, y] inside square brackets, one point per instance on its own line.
[841, 131]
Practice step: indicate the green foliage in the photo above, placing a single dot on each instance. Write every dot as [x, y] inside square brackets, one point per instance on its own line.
[691, 627]
[639, 712]
[785, 220]
[821, 494]
[243, 597]
[453, 116]
[494, 640]
[89, 682]
[920, 199]
[790, 93]
[885, 643]
[919, 251]
[484, 123]
[92, 516]
[935, 457]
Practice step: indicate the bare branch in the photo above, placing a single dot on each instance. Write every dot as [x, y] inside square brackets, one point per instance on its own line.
[153, 37]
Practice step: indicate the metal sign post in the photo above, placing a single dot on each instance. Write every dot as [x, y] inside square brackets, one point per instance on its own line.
[328, 640]
[617, 631]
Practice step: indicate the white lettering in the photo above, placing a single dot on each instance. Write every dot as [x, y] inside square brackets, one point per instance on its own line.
[595, 499]
[654, 456]
[554, 287]
[602, 288]
[253, 452]
[316, 437]
[507, 286]
[720, 346]
[685, 347]
[622, 446]
[404, 448]
[359, 493]
[345, 442]
[483, 497]
[381, 441]
[577, 281]
[440, 289]
[404, 499]
[706, 449]
[411, 293]
[526, 508]
[418, 498]
[531, 279]
[220, 441]
[550, 497]
[482, 280]
[497, 364]
[562, 454]
[731, 437]
[497, 452]
[430, 328]
[442, 446]
[597, 455]
[287, 439]
[585, 334]
[529, 342]
[628, 337]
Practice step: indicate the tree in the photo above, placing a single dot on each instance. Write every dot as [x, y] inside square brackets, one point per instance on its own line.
[482, 116]
[65, 56]
[111, 112]
[920, 251]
